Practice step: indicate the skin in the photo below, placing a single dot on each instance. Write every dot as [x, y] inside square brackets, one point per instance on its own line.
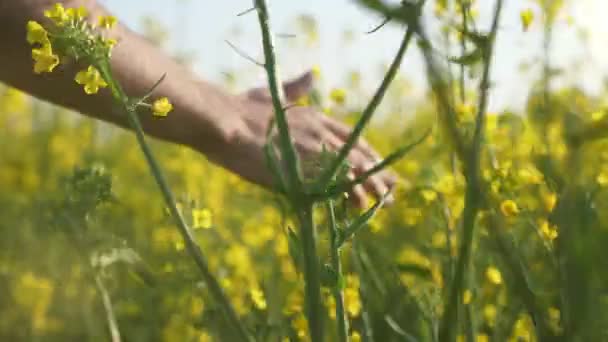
[229, 129]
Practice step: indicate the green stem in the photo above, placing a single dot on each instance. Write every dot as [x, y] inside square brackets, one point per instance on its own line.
[473, 193]
[191, 246]
[312, 276]
[107, 305]
[276, 91]
[368, 112]
[336, 264]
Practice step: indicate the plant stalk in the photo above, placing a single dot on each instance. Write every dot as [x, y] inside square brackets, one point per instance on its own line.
[191, 245]
[336, 264]
[312, 275]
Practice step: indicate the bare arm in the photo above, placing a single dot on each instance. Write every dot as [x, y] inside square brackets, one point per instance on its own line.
[229, 129]
[137, 65]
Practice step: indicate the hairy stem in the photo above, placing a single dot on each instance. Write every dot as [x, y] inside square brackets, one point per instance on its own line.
[368, 112]
[473, 193]
[191, 246]
[336, 263]
[312, 276]
[276, 91]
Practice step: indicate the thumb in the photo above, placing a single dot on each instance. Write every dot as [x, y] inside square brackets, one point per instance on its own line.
[298, 87]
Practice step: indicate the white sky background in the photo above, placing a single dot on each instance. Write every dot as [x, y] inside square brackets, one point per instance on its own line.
[201, 26]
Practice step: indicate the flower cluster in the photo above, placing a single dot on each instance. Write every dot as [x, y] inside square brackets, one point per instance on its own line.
[71, 37]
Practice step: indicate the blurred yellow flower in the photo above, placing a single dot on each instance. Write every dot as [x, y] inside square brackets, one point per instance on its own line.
[526, 16]
[107, 21]
[602, 178]
[257, 296]
[338, 95]
[428, 195]
[202, 218]
[489, 314]
[548, 231]
[76, 13]
[482, 338]
[467, 296]
[493, 275]
[509, 208]
[549, 200]
[57, 14]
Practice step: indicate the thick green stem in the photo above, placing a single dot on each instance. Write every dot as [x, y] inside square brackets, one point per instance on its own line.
[312, 276]
[191, 246]
[336, 263]
[473, 193]
[288, 151]
[368, 112]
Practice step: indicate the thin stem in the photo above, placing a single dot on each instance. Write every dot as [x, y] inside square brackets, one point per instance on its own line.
[336, 264]
[473, 193]
[107, 305]
[276, 91]
[312, 278]
[368, 330]
[469, 314]
[191, 246]
[386, 162]
[368, 112]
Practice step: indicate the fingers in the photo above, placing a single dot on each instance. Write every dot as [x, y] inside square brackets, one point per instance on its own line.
[377, 185]
[298, 87]
[343, 131]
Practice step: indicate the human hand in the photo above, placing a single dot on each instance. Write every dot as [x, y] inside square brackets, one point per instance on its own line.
[310, 130]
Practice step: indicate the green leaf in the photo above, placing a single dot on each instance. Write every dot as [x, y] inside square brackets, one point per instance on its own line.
[470, 58]
[361, 221]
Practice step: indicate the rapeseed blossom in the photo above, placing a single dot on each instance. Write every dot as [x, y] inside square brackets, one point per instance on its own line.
[91, 80]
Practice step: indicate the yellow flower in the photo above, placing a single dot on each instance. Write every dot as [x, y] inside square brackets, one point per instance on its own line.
[57, 14]
[428, 195]
[161, 107]
[598, 115]
[509, 208]
[77, 13]
[36, 34]
[526, 16]
[466, 297]
[548, 231]
[602, 179]
[45, 60]
[316, 72]
[549, 200]
[355, 337]
[489, 313]
[493, 275]
[338, 95]
[91, 80]
[107, 22]
[201, 218]
[482, 338]
[257, 296]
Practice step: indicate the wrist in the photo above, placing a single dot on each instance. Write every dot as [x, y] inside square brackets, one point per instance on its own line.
[218, 122]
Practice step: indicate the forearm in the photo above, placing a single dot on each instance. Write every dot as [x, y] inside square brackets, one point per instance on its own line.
[199, 118]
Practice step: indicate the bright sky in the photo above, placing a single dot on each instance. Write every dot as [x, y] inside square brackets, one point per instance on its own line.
[201, 26]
